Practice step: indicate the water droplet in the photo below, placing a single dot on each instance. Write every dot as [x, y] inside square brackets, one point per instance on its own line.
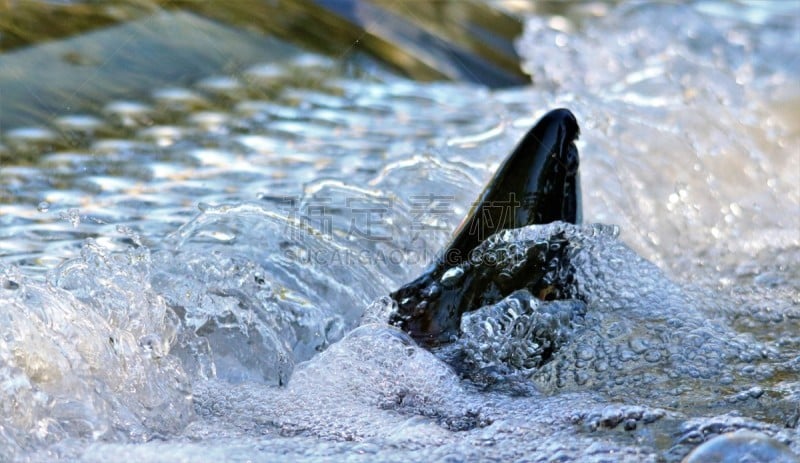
[43, 206]
[452, 276]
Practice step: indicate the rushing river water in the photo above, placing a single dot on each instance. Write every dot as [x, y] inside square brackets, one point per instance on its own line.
[208, 287]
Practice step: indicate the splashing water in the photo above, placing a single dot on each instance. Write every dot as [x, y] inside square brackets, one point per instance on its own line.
[137, 328]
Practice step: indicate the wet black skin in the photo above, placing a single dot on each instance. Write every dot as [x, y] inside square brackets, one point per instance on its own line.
[537, 184]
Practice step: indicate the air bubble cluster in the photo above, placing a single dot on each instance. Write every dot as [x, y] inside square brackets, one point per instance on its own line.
[518, 333]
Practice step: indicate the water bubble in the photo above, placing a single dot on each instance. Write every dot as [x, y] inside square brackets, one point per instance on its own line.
[652, 356]
[581, 377]
[379, 311]
[516, 335]
[72, 215]
[43, 206]
[748, 370]
[638, 345]
[585, 353]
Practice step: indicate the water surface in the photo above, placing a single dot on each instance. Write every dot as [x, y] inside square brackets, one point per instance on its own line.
[208, 285]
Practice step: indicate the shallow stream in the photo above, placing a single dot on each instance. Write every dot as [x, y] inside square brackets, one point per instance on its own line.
[206, 283]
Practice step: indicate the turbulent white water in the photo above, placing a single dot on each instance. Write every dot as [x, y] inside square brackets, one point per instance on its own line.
[136, 327]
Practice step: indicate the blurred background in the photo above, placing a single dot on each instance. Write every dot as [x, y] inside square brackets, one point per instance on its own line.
[68, 57]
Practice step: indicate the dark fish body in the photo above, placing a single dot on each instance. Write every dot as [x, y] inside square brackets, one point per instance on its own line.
[537, 184]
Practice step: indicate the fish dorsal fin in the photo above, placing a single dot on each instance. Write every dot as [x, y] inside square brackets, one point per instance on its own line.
[538, 183]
